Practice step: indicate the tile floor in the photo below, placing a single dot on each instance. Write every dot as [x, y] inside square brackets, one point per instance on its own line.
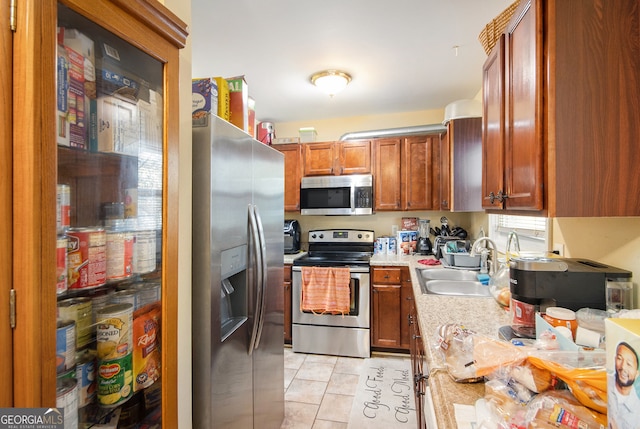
[319, 390]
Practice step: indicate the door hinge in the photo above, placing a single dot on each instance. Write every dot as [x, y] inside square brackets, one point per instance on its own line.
[12, 308]
[12, 15]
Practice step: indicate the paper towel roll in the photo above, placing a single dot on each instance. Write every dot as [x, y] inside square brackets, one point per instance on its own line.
[587, 338]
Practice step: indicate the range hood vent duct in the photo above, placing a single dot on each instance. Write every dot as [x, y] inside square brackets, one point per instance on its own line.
[395, 132]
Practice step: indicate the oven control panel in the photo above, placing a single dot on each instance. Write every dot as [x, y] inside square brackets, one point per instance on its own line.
[352, 236]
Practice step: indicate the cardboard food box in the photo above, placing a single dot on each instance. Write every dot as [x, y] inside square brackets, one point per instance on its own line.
[118, 126]
[252, 117]
[71, 126]
[239, 102]
[406, 242]
[204, 100]
[410, 223]
[623, 386]
[224, 106]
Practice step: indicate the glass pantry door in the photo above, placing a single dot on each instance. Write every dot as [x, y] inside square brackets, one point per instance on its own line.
[109, 224]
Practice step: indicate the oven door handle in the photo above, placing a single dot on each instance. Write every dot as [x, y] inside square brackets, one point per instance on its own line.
[259, 248]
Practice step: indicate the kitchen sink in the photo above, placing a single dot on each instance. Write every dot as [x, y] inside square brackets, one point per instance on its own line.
[450, 282]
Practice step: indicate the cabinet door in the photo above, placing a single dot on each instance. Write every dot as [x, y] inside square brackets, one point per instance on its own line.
[386, 173]
[465, 138]
[407, 307]
[386, 306]
[493, 169]
[6, 228]
[524, 161]
[319, 159]
[441, 198]
[293, 173]
[287, 304]
[417, 181]
[354, 157]
[385, 313]
[99, 181]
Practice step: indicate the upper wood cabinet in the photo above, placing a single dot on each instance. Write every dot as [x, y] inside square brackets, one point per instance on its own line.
[337, 158]
[293, 174]
[147, 37]
[386, 174]
[464, 137]
[417, 173]
[441, 164]
[571, 119]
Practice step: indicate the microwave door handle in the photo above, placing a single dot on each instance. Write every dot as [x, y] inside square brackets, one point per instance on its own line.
[353, 198]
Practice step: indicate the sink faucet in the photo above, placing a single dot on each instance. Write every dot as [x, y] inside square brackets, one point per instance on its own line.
[476, 249]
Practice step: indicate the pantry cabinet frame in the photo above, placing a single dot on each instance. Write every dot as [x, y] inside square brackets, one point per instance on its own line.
[151, 27]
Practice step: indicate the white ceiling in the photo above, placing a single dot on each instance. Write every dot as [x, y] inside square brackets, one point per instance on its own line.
[401, 54]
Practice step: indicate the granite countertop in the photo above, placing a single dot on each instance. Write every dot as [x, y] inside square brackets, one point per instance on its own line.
[482, 315]
[288, 259]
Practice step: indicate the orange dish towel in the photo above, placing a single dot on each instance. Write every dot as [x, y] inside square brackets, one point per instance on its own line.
[325, 290]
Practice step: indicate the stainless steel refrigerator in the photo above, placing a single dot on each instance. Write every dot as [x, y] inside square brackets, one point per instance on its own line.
[237, 310]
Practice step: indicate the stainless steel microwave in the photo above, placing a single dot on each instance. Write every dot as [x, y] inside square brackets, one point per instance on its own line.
[337, 195]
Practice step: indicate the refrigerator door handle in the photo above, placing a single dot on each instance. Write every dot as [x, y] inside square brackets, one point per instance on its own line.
[255, 247]
[262, 278]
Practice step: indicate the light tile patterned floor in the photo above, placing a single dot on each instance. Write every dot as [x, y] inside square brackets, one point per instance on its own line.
[319, 390]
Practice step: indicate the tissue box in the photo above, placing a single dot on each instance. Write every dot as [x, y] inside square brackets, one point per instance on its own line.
[623, 334]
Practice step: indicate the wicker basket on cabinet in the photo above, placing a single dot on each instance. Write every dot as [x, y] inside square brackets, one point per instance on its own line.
[491, 33]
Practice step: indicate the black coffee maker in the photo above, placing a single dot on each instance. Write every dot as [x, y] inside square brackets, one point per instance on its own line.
[424, 243]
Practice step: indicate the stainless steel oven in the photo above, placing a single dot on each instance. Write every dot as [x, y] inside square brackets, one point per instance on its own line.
[341, 335]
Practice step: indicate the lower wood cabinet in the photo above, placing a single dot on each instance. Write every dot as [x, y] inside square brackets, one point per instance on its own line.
[391, 303]
[287, 304]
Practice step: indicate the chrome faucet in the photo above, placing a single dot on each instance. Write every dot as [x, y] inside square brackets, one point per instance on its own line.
[476, 249]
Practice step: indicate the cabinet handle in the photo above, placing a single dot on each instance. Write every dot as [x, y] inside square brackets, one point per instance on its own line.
[445, 203]
[500, 197]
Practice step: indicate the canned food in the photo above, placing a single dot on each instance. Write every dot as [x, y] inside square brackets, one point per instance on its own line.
[62, 283]
[80, 311]
[86, 376]
[148, 293]
[119, 254]
[65, 345]
[125, 296]
[114, 331]
[144, 252]
[87, 257]
[99, 300]
[67, 399]
[63, 207]
[115, 381]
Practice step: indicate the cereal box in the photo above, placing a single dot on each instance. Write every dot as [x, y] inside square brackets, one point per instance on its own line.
[239, 102]
[204, 100]
[623, 387]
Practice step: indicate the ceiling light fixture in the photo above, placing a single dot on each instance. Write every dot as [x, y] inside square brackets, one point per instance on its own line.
[331, 81]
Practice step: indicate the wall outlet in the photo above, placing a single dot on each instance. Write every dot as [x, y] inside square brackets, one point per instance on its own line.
[558, 249]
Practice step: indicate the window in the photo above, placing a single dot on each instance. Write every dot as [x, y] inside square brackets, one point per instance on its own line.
[533, 232]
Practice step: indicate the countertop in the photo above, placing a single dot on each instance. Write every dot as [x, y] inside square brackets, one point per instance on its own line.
[482, 315]
[288, 259]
